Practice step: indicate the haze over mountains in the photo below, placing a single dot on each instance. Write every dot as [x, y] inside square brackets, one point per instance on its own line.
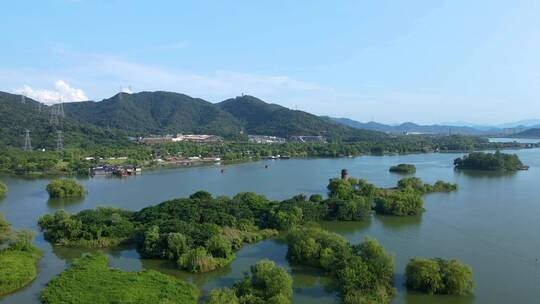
[144, 113]
[445, 128]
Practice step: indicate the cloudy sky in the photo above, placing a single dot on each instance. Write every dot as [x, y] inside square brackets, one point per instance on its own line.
[385, 60]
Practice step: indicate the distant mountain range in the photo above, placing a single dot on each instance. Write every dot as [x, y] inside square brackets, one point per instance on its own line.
[113, 119]
[529, 133]
[444, 128]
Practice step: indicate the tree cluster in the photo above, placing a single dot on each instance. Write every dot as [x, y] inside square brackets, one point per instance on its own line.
[489, 161]
[439, 276]
[63, 188]
[266, 283]
[363, 273]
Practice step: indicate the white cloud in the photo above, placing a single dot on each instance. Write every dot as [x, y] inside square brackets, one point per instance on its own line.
[126, 90]
[61, 92]
[213, 86]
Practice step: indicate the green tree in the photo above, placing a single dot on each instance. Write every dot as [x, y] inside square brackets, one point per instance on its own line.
[176, 245]
[219, 246]
[267, 283]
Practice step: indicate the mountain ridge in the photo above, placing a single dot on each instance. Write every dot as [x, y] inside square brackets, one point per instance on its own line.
[163, 112]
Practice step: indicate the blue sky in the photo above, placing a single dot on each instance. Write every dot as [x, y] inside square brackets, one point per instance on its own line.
[389, 61]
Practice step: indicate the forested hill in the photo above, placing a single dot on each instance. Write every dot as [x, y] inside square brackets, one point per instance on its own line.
[18, 114]
[168, 113]
[156, 113]
[530, 133]
[259, 117]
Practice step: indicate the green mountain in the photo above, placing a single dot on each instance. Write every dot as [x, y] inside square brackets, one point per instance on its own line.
[17, 115]
[155, 113]
[259, 117]
[168, 113]
[111, 120]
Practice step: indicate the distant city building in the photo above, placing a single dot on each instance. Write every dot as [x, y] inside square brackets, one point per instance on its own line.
[199, 138]
[196, 138]
[309, 139]
[265, 139]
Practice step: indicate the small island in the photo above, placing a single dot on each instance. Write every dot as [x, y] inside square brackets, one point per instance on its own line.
[403, 169]
[362, 273]
[490, 162]
[439, 276]
[64, 188]
[3, 189]
[18, 258]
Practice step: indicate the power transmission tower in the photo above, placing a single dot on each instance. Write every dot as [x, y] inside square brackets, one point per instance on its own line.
[27, 143]
[23, 99]
[59, 141]
[60, 110]
[54, 116]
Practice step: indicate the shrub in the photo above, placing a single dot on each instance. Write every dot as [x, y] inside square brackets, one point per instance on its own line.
[223, 296]
[412, 183]
[61, 188]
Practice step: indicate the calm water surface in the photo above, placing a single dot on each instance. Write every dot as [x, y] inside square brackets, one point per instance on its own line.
[491, 222]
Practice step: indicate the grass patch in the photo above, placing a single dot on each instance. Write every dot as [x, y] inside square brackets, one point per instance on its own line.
[18, 267]
[90, 280]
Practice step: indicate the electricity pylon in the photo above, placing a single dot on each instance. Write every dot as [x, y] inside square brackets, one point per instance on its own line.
[59, 141]
[27, 142]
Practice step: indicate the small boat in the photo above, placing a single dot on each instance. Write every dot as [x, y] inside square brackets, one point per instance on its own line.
[523, 168]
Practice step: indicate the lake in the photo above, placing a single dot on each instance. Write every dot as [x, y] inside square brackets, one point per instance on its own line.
[491, 222]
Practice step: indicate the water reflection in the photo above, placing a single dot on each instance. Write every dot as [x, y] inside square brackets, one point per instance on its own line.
[309, 277]
[346, 228]
[398, 222]
[485, 174]
[413, 297]
[60, 203]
